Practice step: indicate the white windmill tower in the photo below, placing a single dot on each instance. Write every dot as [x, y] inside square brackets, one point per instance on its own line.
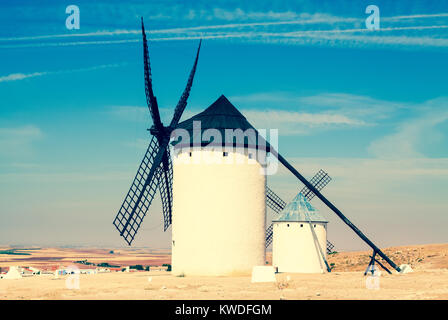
[300, 238]
[219, 196]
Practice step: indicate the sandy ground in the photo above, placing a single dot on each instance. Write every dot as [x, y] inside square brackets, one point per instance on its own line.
[338, 285]
[429, 281]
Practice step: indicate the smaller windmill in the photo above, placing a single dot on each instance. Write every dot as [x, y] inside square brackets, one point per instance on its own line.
[300, 224]
[319, 181]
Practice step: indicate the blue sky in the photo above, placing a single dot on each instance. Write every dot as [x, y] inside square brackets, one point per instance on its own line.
[369, 107]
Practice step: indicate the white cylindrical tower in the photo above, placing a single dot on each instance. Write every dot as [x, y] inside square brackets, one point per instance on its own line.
[219, 208]
[299, 239]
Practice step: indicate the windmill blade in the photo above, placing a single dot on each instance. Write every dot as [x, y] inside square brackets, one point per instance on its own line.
[319, 181]
[183, 99]
[151, 100]
[141, 194]
[277, 204]
[165, 178]
[269, 235]
[274, 201]
[334, 209]
[330, 247]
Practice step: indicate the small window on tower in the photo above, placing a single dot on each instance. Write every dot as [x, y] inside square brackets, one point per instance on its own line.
[225, 154]
[314, 226]
[287, 225]
[190, 153]
[301, 225]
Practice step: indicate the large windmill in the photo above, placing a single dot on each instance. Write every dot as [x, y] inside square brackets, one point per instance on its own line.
[156, 172]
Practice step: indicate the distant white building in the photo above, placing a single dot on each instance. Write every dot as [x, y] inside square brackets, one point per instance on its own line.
[88, 271]
[300, 238]
[13, 273]
[34, 270]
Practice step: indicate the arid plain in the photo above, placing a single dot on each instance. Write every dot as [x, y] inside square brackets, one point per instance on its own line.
[428, 281]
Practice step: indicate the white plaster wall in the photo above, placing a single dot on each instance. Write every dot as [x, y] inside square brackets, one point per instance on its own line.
[219, 210]
[294, 248]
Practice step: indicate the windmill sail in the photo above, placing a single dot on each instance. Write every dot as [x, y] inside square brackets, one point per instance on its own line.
[274, 201]
[319, 181]
[155, 170]
[165, 173]
[150, 98]
[180, 107]
[139, 197]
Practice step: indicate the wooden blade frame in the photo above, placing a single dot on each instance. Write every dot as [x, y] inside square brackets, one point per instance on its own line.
[319, 181]
[155, 171]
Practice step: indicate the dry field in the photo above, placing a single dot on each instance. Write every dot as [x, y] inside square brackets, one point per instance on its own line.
[43, 258]
[429, 281]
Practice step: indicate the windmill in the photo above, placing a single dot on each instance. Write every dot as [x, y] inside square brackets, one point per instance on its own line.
[332, 207]
[273, 201]
[155, 171]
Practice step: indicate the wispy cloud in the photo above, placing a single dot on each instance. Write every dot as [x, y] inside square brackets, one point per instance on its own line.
[290, 122]
[293, 123]
[325, 109]
[136, 113]
[24, 132]
[140, 144]
[239, 14]
[22, 76]
[16, 140]
[371, 169]
[417, 16]
[277, 27]
[359, 41]
[363, 107]
[300, 115]
[129, 113]
[412, 134]
[309, 19]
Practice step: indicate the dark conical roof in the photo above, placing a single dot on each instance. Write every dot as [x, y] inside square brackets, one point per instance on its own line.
[221, 114]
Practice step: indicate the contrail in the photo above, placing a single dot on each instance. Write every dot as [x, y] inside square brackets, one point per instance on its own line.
[21, 76]
[182, 29]
[326, 20]
[253, 34]
[417, 16]
[65, 44]
[74, 35]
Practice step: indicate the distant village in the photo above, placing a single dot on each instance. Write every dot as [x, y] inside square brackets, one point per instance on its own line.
[75, 267]
[78, 267]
